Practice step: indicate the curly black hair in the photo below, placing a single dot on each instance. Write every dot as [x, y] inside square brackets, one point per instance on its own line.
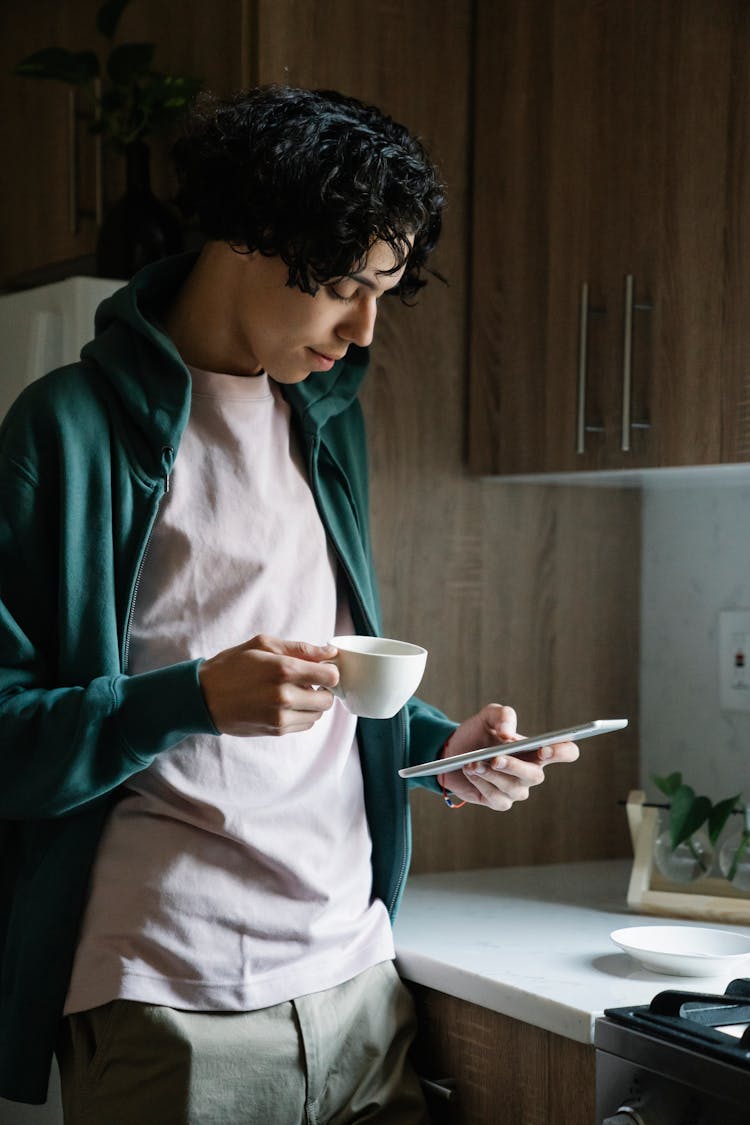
[314, 176]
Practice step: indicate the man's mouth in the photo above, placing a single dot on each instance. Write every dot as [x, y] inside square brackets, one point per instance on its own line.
[327, 355]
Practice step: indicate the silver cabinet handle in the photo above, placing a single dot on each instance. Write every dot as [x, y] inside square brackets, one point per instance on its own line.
[443, 1088]
[583, 343]
[582, 426]
[72, 164]
[627, 364]
[75, 214]
[98, 164]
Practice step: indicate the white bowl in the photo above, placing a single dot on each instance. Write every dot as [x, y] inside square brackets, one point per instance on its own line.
[684, 951]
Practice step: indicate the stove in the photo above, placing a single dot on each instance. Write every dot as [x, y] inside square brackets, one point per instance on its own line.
[683, 1059]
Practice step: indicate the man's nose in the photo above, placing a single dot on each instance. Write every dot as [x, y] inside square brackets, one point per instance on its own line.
[358, 327]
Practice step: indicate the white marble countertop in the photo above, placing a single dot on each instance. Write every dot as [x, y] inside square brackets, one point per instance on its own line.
[533, 943]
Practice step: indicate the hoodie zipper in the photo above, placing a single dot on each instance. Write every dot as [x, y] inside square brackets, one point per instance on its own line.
[313, 475]
[391, 905]
[167, 458]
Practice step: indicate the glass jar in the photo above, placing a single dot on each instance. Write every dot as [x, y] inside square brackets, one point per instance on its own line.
[690, 860]
[734, 857]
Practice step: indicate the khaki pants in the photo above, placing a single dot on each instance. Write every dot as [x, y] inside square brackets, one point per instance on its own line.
[333, 1057]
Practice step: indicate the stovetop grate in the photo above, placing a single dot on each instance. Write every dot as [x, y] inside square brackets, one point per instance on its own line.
[693, 1020]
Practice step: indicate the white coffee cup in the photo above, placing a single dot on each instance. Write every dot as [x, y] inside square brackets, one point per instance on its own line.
[377, 675]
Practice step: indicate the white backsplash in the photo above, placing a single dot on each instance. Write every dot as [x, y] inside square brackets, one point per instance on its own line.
[696, 562]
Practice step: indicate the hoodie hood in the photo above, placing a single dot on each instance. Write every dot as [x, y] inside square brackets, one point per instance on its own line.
[152, 384]
[133, 353]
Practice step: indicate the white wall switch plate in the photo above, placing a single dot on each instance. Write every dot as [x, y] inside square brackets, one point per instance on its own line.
[734, 659]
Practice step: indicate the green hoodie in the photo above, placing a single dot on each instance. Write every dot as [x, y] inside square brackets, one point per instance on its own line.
[85, 458]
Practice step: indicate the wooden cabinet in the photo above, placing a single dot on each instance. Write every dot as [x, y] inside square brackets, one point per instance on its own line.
[503, 1070]
[56, 174]
[50, 178]
[526, 587]
[609, 246]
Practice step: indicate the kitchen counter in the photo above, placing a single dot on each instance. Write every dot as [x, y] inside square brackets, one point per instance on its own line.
[533, 943]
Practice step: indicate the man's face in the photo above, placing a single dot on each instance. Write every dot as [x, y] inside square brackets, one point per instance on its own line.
[290, 334]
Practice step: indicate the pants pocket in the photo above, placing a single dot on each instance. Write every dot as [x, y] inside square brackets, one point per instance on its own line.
[82, 1052]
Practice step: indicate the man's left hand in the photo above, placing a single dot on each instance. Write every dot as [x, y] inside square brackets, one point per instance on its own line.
[498, 783]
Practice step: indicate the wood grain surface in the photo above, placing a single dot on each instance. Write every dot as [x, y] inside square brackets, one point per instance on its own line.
[522, 594]
[610, 141]
[214, 42]
[504, 1071]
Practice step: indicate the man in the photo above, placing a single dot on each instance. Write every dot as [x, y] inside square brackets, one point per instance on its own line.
[203, 848]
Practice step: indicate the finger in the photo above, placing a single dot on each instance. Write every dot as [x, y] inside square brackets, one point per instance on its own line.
[558, 752]
[284, 667]
[295, 712]
[496, 721]
[293, 697]
[300, 650]
[526, 770]
[307, 673]
[291, 722]
[500, 721]
[507, 727]
[513, 786]
[487, 792]
[312, 700]
[303, 650]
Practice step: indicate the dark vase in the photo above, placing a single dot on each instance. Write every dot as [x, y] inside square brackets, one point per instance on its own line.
[139, 228]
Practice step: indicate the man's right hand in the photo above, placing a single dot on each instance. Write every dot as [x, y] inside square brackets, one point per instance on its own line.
[268, 686]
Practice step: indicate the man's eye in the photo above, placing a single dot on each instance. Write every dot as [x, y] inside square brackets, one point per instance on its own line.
[333, 292]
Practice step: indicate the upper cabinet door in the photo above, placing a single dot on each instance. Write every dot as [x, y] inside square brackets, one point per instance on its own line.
[59, 182]
[49, 188]
[603, 289]
[533, 193]
[676, 74]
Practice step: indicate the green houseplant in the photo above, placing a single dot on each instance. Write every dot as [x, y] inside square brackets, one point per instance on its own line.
[688, 814]
[129, 101]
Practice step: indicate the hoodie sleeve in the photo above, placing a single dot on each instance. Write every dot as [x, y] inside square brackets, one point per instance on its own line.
[429, 730]
[63, 745]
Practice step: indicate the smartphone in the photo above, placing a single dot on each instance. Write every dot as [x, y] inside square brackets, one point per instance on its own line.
[567, 734]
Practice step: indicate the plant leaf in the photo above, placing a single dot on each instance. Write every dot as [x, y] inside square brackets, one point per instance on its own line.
[108, 16]
[169, 93]
[719, 815]
[668, 785]
[688, 814]
[60, 65]
[129, 61]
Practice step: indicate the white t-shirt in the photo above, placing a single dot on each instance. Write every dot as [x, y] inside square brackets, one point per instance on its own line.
[235, 873]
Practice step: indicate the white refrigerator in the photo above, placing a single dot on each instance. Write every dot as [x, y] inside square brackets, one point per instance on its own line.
[41, 329]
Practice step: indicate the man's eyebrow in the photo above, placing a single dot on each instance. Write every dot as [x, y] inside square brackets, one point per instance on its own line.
[366, 281]
[360, 277]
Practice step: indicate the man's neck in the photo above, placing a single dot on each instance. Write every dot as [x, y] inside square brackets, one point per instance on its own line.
[196, 320]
